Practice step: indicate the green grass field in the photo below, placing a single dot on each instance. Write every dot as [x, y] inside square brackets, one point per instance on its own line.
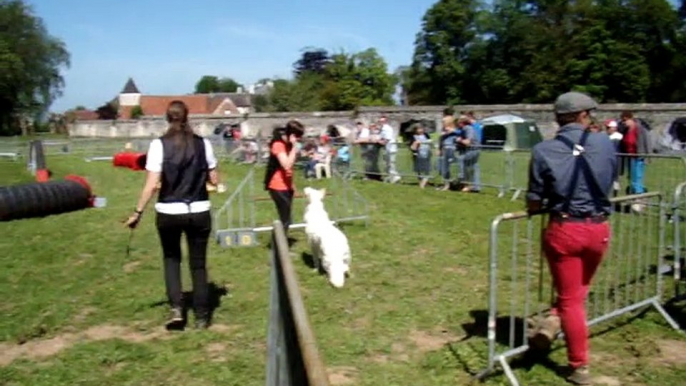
[78, 311]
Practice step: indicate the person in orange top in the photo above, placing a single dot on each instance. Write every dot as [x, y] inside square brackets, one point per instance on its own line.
[278, 179]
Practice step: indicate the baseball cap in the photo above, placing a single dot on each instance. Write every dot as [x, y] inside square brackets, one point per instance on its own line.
[611, 123]
[574, 102]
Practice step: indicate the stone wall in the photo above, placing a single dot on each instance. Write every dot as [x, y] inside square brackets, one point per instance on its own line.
[657, 115]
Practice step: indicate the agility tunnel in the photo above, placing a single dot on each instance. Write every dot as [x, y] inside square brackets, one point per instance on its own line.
[40, 199]
[133, 161]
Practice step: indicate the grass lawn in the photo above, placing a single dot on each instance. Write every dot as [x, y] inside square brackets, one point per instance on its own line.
[78, 311]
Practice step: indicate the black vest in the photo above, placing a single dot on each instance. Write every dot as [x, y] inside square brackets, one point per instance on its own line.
[183, 176]
[273, 165]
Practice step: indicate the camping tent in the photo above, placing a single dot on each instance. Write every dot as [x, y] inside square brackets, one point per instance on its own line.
[674, 138]
[510, 132]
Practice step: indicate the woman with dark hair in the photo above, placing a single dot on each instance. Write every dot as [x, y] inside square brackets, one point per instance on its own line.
[278, 179]
[182, 163]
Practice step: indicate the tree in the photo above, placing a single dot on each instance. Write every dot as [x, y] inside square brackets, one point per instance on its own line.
[136, 112]
[438, 68]
[109, 111]
[212, 84]
[312, 60]
[30, 64]
[359, 79]
[294, 95]
[532, 50]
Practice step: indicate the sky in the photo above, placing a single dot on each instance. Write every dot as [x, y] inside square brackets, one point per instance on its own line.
[167, 45]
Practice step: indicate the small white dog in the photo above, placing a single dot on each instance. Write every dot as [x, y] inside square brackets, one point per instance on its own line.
[329, 246]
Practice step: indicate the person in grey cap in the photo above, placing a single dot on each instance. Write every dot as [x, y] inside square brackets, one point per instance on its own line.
[571, 176]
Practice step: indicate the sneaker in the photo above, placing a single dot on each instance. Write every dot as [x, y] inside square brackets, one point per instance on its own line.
[175, 320]
[580, 376]
[545, 333]
[395, 179]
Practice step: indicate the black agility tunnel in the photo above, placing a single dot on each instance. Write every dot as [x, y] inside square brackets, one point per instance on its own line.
[40, 199]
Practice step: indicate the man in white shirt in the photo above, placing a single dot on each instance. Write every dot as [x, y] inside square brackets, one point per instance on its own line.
[389, 141]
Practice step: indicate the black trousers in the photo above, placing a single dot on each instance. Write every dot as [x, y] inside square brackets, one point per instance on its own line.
[283, 199]
[197, 227]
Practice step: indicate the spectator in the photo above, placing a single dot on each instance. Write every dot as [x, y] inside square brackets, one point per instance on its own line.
[468, 148]
[309, 153]
[616, 139]
[574, 186]
[635, 144]
[182, 163]
[613, 133]
[388, 140]
[446, 149]
[323, 158]
[367, 142]
[421, 146]
[343, 158]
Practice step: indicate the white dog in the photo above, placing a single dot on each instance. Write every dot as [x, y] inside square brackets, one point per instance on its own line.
[329, 246]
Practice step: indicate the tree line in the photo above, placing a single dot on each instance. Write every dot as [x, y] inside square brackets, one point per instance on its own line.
[466, 52]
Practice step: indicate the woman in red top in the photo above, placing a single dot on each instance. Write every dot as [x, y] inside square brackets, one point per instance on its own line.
[279, 176]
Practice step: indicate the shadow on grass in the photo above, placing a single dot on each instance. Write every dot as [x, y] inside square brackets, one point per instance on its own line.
[308, 260]
[510, 333]
[215, 293]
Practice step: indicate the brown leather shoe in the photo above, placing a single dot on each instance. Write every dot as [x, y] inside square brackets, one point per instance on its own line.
[580, 376]
[544, 336]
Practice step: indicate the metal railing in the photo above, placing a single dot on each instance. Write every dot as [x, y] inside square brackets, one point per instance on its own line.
[244, 214]
[679, 237]
[292, 355]
[629, 277]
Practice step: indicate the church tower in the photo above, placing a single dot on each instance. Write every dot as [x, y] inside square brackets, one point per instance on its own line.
[129, 96]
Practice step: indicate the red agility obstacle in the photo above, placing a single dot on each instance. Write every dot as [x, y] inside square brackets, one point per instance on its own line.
[133, 161]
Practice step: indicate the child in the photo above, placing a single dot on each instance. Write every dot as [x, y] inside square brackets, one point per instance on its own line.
[421, 145]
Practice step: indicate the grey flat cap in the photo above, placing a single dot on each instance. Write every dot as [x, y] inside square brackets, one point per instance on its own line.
[574, 102]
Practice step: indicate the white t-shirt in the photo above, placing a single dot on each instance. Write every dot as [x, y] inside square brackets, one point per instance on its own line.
[616, 136]
[388, 134]
[154, 164]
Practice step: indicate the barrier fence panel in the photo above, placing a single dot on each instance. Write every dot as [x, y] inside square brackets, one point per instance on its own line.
[659, 173]
[679, 237]
[292, 355]
[482, 167]
[249, 208]
[520, 288]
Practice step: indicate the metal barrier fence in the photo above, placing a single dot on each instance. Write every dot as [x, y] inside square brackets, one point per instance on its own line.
[292, 355]
[679, 237]
[507, 170]
[628, 279]
[244, 213]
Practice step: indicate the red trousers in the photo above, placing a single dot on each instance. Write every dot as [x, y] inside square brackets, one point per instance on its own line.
[574, 251]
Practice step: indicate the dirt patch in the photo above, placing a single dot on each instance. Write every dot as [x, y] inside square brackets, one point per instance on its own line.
[431, 341]
[342, 375]
[41, 348]
[398, 354]
[458, 270]
[214, 348]
[224, 328]
[362, 323]
[85, 312]
[130, 267]
[672, 352]
[607, 381]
